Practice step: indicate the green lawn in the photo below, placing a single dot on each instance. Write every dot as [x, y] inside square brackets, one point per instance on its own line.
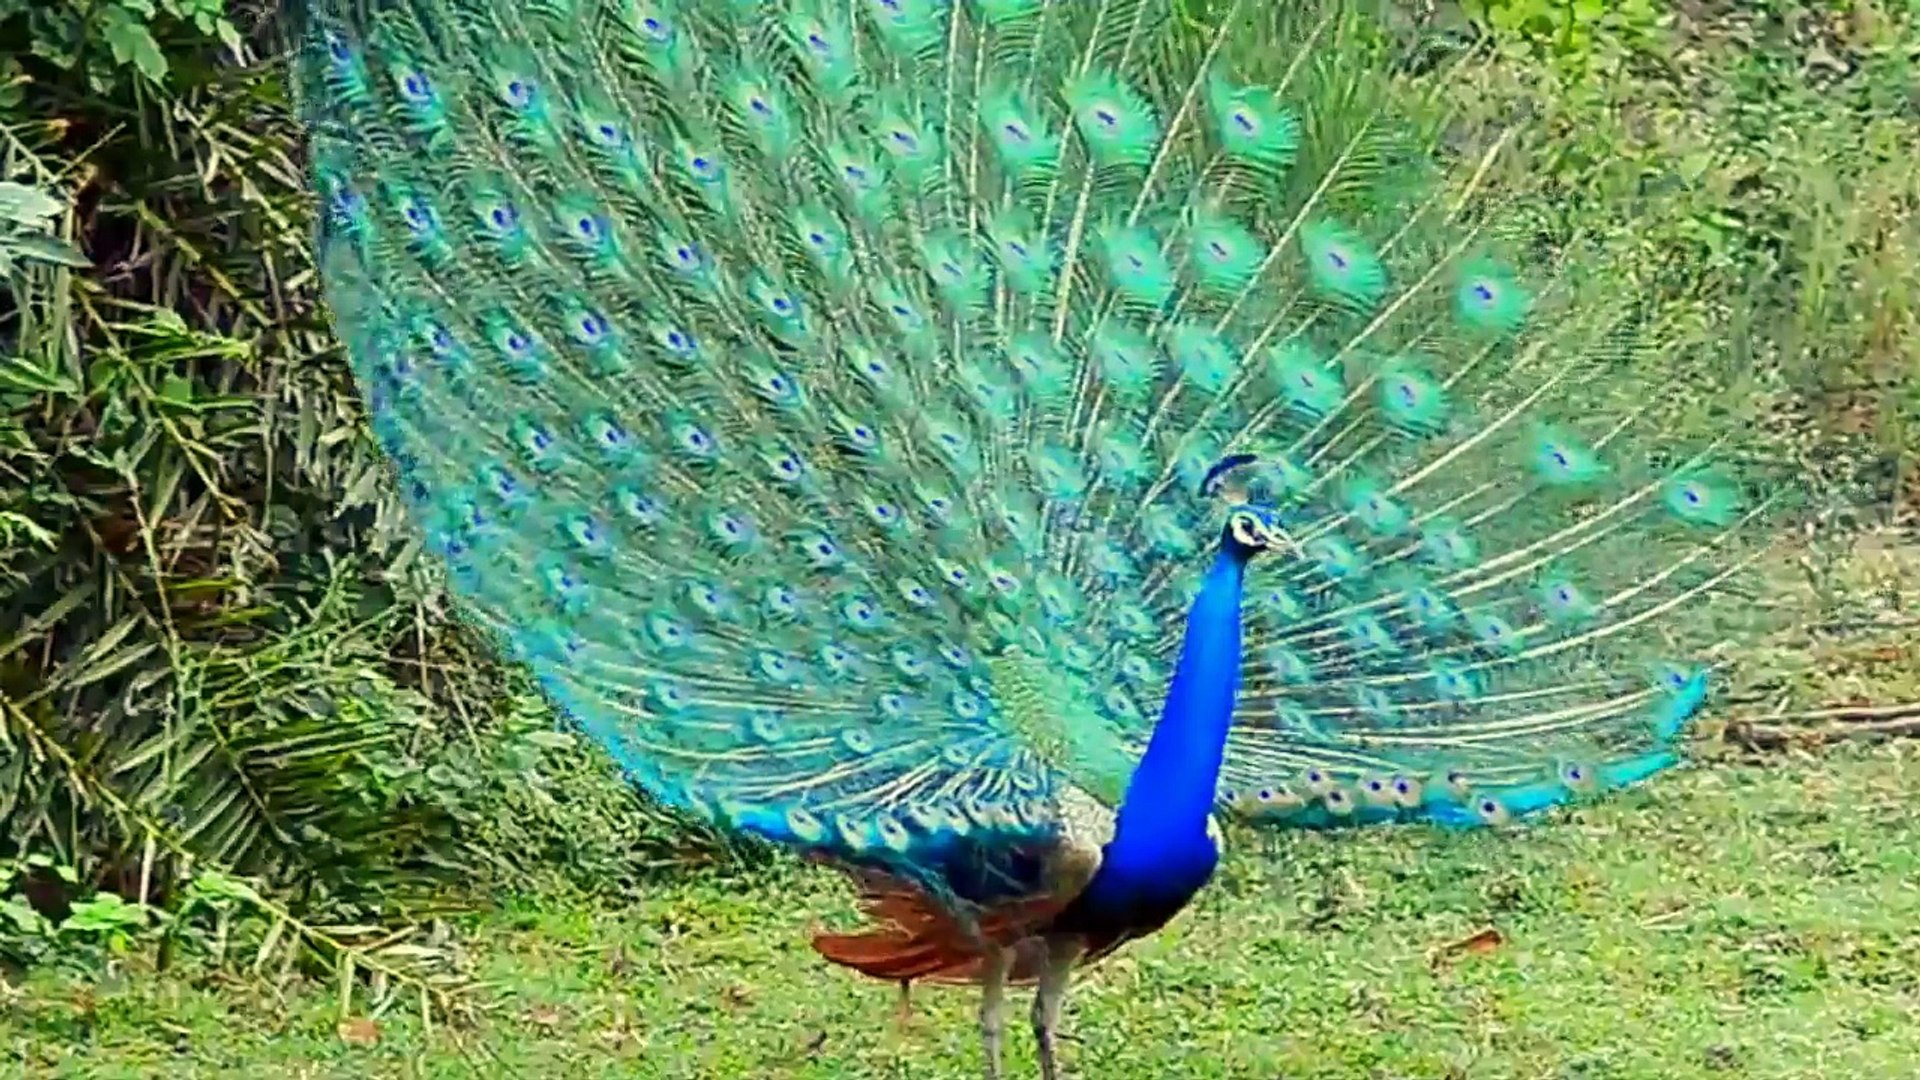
[1731, 921]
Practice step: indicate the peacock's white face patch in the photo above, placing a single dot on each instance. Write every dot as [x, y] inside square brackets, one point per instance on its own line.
[1254, 529]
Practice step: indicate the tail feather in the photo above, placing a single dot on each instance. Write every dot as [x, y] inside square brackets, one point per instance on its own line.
[767, 373]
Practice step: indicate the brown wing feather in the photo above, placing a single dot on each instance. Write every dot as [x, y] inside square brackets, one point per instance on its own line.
[916, 939]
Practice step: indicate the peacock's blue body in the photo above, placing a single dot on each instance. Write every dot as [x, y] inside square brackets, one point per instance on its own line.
[978, 443]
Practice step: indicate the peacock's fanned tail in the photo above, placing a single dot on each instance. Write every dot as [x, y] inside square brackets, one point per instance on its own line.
[816, 396]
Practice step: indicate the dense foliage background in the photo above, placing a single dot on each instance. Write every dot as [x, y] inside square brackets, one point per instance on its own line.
[220, 658]
[232, 700]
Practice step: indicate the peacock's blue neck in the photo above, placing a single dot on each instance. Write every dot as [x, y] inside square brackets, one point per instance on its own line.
[1171, 794]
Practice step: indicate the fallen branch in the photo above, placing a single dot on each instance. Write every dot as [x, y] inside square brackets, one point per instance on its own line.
[1779, 731]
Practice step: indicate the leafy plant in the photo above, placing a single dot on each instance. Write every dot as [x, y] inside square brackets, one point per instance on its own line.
[1575, 35]
[108, 922]
[26, 216]
[141, 37]
[26, 933]
[48, 914]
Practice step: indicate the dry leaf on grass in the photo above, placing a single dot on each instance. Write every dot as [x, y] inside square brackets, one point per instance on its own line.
[1485, 941]
[359, 1031]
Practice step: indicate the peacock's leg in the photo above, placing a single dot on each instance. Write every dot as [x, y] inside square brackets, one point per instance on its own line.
[1062, 954]
[993, 1007]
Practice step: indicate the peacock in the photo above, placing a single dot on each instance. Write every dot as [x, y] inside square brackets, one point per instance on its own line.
[984, 445]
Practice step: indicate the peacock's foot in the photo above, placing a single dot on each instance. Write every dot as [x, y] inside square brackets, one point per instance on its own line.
[903, 1009]
[1046, 1040]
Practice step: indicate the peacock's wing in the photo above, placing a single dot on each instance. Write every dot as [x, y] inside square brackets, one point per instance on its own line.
[817, 395]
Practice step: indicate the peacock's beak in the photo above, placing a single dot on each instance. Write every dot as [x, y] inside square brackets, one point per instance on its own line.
[1279, 539]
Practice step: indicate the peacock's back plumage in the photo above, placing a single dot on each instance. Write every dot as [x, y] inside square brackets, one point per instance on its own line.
[819, 396]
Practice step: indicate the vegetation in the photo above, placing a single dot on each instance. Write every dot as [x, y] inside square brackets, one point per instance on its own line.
[243, 740]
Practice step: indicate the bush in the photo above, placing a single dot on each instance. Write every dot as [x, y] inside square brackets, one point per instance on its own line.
[219, 642]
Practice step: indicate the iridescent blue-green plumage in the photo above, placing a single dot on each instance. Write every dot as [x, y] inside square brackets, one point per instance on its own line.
[818, 397]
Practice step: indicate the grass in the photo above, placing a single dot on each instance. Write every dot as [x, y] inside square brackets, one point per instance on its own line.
[1730, 921]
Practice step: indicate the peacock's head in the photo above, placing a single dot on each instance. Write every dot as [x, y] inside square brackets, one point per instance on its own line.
[1250, 528]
